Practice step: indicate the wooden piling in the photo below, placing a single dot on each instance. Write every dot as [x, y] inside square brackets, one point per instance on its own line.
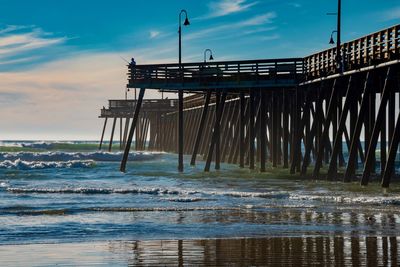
[200, 130]
[112, 135]
[132, 130]
[102, 133]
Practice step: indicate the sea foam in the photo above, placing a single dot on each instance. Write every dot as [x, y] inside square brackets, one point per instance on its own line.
[31, 165]
[70, 156]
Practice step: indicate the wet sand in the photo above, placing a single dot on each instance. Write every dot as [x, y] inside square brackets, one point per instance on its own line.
[271, 251]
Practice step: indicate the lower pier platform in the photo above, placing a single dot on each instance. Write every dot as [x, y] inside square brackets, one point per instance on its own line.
[148, 124]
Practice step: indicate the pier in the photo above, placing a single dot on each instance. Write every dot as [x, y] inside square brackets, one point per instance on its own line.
[316, 116]
[148, 123]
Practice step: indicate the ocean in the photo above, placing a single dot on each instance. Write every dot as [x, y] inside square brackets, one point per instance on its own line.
[67, 203]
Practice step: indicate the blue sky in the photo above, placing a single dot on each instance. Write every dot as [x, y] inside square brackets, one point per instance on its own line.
[61, 60]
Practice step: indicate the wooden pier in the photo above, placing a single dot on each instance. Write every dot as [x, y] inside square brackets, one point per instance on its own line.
[303, 114]
[148, 123]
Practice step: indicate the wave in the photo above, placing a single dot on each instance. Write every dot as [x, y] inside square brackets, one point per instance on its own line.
[73, 156]
[129, 209]
[252, 194]
[88, 190]
[38, 145]
[67, 211]
[187, 199]
[370, 200]
[150, 191]
[31, 165]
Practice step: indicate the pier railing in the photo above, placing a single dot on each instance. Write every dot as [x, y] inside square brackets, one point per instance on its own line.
[246, 73]
[370, 50]
[122, 107]
[373, 49]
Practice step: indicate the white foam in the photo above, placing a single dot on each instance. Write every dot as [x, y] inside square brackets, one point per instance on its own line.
[250, 194]
[69, 156]
[93, 190]
[377, 200]
[186, 199]
[30, 165]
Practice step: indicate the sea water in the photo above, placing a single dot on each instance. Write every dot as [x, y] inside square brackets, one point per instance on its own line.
[71, 194]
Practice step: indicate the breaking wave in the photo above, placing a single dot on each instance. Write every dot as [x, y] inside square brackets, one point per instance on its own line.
[32, 165]
[88, 190]
[371, 200]
[149, 190]
[27, 211]
[74, 156]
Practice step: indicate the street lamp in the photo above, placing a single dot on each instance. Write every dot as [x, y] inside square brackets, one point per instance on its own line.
[185, 23]
[338, 41]
[205, 55]
[180, 93]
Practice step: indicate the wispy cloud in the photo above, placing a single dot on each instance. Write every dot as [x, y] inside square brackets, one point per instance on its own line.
[73, 88]
[392, 14]
[22, 43]
[227, 7]
[258, 20]
[259, 30]
[271, 37]
[13, 28]
[293, 4]
[154, 34]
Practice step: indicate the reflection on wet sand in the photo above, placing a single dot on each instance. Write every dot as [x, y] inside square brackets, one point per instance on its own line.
[283, 251]
[271, 251]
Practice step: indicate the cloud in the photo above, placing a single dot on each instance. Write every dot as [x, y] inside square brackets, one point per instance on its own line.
[154, 34]
[296, 5]
[254, 21]
[13, 28]
[25, 43]
[392, 14]
[61, 99]
[258, 20]
[227, 7]
[271, 37]
[259, 30]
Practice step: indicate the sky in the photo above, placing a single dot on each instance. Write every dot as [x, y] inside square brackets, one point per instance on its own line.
[60, 61]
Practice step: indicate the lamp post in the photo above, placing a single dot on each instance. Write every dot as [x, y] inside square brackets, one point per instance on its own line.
[205, 55]
[126, 93]
[338, 39]
[180, 93]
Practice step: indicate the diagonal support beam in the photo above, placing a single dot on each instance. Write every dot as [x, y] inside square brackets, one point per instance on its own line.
[377, 128]
[351, 166]
[325, 133]
[132, 130]
[394, 145]
[102, 134]
[112, 135]
[215, 133]
[332, 172]
[201, 128]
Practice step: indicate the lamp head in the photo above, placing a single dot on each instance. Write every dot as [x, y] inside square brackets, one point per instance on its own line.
[211, 57]
[186, 23]
[331, 41]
